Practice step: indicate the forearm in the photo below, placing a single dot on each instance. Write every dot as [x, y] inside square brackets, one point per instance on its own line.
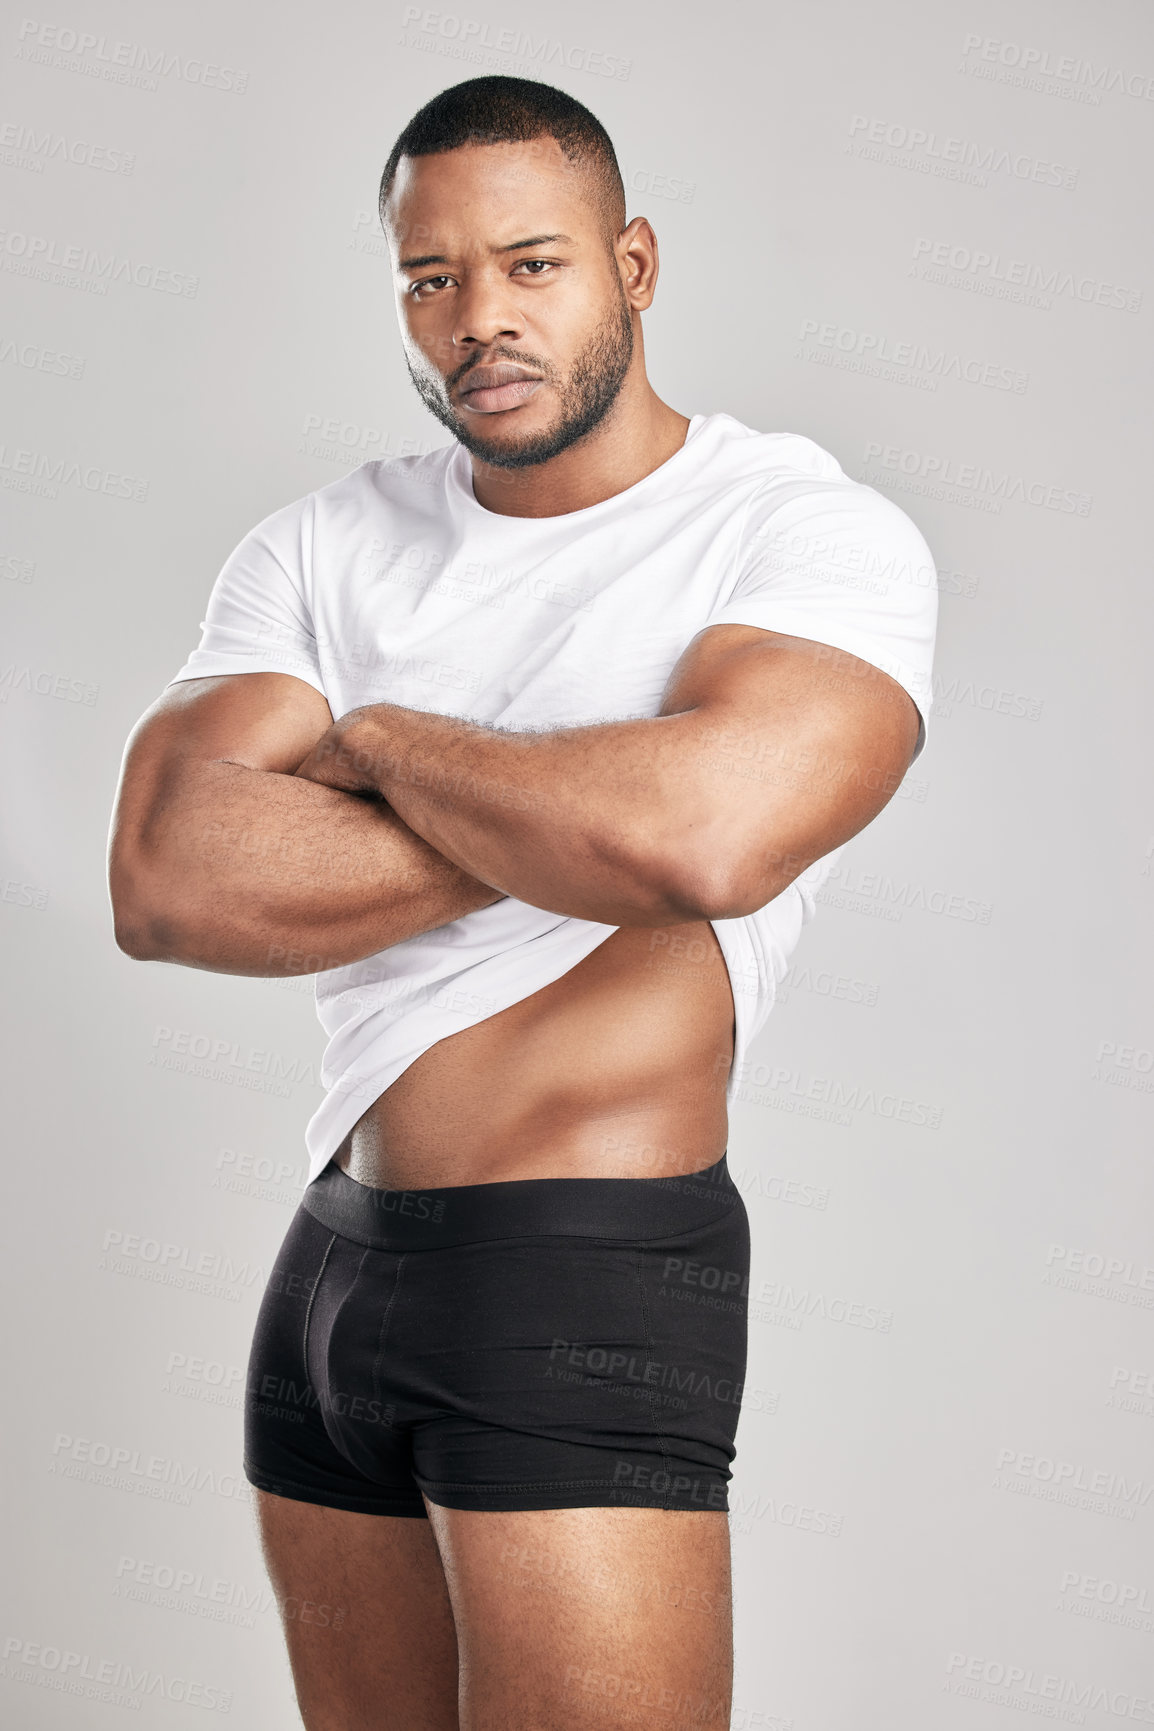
[243, 871]
[593, 822]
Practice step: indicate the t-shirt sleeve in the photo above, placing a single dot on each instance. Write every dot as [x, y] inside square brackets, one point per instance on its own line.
[258, 619]
[841, 564]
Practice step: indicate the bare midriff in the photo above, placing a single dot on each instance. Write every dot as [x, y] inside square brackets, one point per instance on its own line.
[616, 1070]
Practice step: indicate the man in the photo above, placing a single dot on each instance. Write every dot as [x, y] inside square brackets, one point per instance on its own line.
[535, 750]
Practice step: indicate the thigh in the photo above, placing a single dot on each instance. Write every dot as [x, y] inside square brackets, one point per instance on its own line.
[590, 1618]
[366, 1617]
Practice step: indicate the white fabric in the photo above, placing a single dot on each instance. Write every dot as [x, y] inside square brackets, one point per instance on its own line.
[393, 584]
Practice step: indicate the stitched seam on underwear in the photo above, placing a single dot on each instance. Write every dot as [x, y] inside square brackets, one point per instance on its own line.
[535, 1485]
[260, 1478]
[309, 1307]
[648, 1351]
[258, 1473]
[383, 1335]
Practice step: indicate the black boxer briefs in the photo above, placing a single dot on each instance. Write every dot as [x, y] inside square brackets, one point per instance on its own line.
[536, 1344]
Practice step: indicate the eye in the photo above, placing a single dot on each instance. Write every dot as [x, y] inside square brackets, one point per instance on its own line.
[543, 262]
[425, 282]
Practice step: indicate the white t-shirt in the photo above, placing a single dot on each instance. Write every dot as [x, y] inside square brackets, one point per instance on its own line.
[393, 584]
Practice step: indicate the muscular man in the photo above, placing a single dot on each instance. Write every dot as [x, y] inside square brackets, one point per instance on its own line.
[535, 751]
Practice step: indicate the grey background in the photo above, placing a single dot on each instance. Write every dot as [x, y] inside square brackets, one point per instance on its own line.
[943, 1501]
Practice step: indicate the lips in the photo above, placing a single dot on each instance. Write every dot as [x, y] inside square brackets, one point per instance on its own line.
[487, 390]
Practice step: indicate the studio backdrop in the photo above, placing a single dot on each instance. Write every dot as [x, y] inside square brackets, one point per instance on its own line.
[917, 235]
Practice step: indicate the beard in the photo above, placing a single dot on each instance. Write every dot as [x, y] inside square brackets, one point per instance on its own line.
[586, 396]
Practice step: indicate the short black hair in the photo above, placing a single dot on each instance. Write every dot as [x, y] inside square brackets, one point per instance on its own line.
[500, 110]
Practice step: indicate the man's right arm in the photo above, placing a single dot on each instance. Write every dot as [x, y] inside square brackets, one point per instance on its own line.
[221, 858]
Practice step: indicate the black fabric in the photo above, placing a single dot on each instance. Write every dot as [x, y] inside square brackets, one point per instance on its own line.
[543, 1343]
[431, 1219]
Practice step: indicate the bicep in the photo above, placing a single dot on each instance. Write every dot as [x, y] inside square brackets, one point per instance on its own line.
[799, 746]
[263, 721]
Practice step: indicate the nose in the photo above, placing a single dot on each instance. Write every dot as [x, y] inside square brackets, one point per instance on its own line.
[484, 310]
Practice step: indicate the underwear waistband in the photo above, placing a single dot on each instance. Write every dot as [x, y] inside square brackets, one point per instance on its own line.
[434, 1218]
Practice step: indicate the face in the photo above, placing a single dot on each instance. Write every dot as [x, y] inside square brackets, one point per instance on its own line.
[516, 324]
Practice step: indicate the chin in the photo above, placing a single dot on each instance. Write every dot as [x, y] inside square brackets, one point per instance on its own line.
[519, 448]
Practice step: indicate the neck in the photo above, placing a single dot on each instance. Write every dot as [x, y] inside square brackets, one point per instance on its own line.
[638, 434]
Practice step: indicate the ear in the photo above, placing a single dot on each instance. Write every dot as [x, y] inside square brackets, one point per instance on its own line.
[638, 262]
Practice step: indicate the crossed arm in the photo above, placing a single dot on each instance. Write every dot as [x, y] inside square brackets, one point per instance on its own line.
[768, 751]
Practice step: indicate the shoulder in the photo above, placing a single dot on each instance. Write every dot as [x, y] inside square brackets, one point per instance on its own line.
[803, 503]
[741, 452]
[403, 481]
[389, 480]
[382, 486]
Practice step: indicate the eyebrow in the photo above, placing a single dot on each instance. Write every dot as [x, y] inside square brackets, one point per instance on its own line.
[513, 246]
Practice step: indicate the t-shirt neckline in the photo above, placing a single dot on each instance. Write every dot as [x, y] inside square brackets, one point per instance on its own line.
[460, 479]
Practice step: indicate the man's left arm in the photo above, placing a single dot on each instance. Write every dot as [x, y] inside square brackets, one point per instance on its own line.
[768, 752]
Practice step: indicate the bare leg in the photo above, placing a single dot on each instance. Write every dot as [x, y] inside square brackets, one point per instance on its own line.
[585, 1619]
[366, 1617]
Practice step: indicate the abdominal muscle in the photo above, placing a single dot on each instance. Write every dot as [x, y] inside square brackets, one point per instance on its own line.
[616, 1070]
